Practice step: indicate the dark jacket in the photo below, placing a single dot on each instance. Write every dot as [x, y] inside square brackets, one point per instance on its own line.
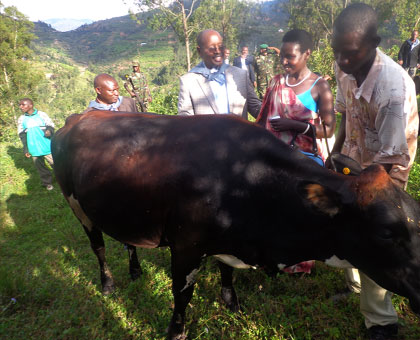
[249, 62]
[410, 57]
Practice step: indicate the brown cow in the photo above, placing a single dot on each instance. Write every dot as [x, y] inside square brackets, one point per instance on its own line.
[219, 186]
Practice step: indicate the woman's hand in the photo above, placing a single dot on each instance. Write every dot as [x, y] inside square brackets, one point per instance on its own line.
[284, 124]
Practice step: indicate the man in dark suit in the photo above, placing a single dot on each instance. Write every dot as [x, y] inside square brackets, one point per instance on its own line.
[108, 96]
[246, 62]
[409, 55]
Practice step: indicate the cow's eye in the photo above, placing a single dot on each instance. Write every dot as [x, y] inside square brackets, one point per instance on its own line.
[386, 234]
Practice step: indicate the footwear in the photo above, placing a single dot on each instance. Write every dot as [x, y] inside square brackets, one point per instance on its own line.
[387, 332]
[49, 187]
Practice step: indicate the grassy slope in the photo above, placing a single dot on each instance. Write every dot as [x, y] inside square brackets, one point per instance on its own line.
[46, 264]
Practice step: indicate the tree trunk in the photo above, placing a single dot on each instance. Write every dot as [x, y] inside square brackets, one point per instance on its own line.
[186, 35]
[6, 77]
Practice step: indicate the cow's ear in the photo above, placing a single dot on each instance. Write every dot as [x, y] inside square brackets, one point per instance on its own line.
[320, 198]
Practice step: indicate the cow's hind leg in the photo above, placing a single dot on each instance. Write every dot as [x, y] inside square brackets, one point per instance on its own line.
[134, 265]
[184, 269]
[228, 292]
[98, 246]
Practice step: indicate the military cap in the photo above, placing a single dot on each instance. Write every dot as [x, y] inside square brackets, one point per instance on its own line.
[136, 63]
[263, 46]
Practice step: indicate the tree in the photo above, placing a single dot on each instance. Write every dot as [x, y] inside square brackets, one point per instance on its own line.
[407, 16]
[17, 79]
[318, 16]
[175, 14]
[224, 16]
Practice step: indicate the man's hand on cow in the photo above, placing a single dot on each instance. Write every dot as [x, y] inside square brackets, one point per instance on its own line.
[27, 154]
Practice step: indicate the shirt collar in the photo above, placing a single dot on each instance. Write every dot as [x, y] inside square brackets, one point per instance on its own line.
[366, 89]
[32, 114]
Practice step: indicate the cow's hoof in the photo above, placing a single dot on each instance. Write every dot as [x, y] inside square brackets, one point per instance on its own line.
[176, 331]
[387, 332]
[230, 299]
[177, 337]
[108, 289]
[172, 336]
[135, 273]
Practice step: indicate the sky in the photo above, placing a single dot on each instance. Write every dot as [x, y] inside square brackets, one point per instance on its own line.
[71, 9]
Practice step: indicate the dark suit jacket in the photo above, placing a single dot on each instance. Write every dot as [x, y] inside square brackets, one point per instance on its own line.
[249, 62]
[410, 57]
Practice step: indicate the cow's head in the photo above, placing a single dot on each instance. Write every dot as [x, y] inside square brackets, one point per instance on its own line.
[376, 227]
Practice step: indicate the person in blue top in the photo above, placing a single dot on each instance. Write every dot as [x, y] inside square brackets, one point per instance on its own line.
[298, 102]
[35, 130]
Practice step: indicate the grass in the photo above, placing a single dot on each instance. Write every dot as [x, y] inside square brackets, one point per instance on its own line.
[50, 286]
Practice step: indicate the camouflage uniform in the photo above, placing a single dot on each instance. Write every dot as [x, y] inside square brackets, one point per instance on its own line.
[266, 67]
[138, 83]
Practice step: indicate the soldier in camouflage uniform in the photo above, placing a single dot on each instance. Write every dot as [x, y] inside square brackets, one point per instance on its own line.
[266, 65]
[136, 86]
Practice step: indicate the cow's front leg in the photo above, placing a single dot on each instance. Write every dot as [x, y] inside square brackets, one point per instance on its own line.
[184, 269]
[228, 292]
[98, 246]
[134, 265]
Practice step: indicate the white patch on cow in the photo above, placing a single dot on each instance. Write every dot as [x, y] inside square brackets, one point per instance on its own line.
[203, 183]
[190, 279]
[334, 261]
[214, 188]
[233, 261]
[78, 211]
[238, 167]
[221, 151]
[224, 219]
[257, 171]
[281, 266]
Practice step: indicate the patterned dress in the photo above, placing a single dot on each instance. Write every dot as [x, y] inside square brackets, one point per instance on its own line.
[281, 100]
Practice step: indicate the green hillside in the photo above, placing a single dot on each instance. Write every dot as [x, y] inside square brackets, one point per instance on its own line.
[120, 39]
[102, 42]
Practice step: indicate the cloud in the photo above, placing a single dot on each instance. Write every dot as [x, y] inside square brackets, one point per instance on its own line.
[74, 9]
